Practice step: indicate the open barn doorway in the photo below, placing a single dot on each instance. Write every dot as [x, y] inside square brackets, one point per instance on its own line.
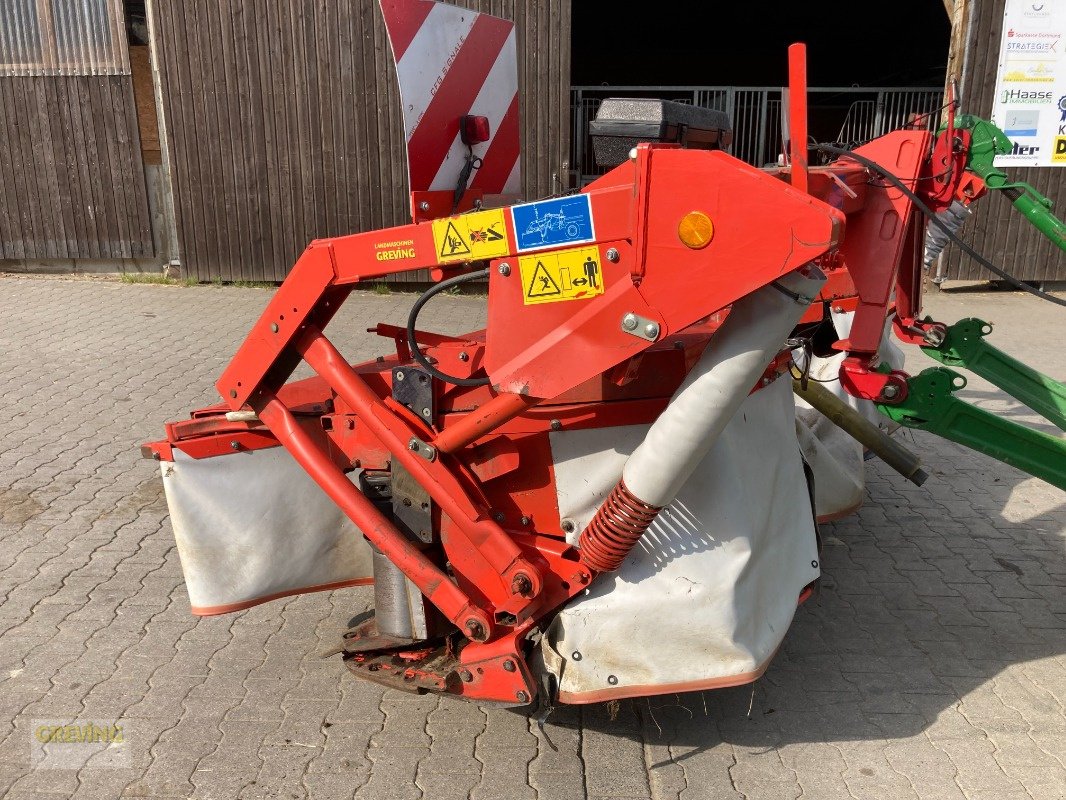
[869, 72]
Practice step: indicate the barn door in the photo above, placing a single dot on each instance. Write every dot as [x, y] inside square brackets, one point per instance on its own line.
[72, 181]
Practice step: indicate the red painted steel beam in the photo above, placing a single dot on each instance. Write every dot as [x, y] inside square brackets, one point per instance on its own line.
[431, 581]
[504, 557]
[797, 114]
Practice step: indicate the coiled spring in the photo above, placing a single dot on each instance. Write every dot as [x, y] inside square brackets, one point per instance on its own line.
[615, 530]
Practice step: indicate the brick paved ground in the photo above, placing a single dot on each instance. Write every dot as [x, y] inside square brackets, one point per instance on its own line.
[931, 666]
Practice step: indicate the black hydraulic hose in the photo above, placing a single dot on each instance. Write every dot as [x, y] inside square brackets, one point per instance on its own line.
[899, 184]
[412, 322]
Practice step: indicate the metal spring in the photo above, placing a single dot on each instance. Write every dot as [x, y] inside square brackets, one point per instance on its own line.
[615, 530]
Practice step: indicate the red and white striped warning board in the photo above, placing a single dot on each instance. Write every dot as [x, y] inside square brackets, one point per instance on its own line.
[451, 62]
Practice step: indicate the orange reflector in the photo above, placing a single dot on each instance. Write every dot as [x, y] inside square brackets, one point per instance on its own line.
[695, 230]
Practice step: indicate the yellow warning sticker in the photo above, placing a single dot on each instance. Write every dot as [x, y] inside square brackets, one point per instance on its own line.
[565, 275]
[471, 237]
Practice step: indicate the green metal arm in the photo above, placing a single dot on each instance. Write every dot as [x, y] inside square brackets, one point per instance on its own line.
[986, 142]
[930, 405]
[965, 346]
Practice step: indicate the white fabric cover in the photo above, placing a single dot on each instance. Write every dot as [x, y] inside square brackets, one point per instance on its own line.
[835, 458]
[709, 592]
[251, 526]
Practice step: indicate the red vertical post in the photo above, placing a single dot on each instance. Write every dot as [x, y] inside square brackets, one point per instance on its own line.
[797, 114]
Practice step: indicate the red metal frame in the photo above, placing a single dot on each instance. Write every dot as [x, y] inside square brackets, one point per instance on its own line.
[567, 365]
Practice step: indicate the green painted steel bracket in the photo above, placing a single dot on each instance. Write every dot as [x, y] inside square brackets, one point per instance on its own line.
[965, 347]
[986, 142]
[931, 406]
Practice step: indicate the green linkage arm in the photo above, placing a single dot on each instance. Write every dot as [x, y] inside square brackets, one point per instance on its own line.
[931, 406]
[965, 346]
[986, 142]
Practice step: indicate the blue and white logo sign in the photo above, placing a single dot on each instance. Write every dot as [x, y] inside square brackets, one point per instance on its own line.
[553, 223]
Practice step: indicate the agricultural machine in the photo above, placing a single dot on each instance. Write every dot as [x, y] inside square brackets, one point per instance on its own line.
[614, 488]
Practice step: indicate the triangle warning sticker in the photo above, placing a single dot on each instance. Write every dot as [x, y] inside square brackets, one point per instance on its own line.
[453, 244]
[542, 284]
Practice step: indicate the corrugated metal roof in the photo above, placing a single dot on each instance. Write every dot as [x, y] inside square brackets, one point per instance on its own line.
[63, 37]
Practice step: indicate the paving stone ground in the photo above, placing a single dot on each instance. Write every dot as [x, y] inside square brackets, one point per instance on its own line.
[932, 665]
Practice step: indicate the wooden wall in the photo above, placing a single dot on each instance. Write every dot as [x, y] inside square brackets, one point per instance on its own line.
[996, 230]
[71, 178]
[283, 122]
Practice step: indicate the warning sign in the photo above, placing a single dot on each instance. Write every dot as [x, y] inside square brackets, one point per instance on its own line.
[471, 237]
[565, 275]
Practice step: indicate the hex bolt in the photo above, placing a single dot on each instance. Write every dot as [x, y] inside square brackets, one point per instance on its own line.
[423, 206]
[612, 255]
[235, 445]
[274, 327]
[522, 697]
[556, 425]
[466, 675]
[890, 392]
[508, 666]
[576, 655]
[524, 520]
[504, 269]
[630, 322]
[413, 445]
[400, 376]
[568, 525]
[426, 413]
[233, 393]
[613, 680]
[463, 356]
[651, 330]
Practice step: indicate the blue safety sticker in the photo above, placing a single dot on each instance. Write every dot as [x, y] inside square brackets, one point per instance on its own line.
[553, 223]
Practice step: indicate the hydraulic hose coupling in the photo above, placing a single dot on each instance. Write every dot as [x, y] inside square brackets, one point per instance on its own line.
[615, 530]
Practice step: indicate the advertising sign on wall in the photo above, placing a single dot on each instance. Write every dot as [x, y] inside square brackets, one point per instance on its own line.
[1030, 100]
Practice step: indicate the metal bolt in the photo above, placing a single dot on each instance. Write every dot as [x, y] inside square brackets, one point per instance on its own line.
[234, 445]
[400, 376]
[633, 153]
[576, 655]
[651, 330]
[504, 269]
[524, 520]
[630, 321]
[426, 413]
[423, 206]
[556, 425]
[233, 393]
[274, 327]
[679, 345]
[890, 392]
[522, 697]
[466, 675]
[413, 445]
[568, 525]
[475, 629]
[508, 666]
[463, 356]
[611, 679]
[521, 584]
[612, 255]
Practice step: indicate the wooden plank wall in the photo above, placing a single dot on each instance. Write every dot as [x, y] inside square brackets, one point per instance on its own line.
[284, 124]
[71, 177]
[996, 230]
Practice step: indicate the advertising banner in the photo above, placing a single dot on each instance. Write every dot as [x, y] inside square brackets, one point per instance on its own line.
[1030, 100]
